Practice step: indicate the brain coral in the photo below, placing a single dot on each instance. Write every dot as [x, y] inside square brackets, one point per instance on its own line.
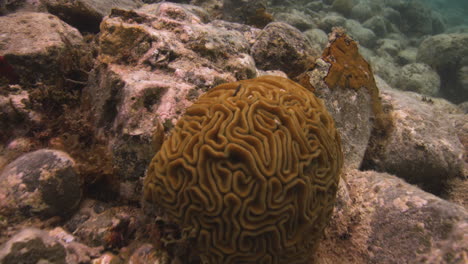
[252, 170]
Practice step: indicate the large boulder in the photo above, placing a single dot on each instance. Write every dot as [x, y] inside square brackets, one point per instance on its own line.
[343, 6]
[152, 64]
[38, 46]
[331, 20]
[365, 36]
[380, 218]
[423, 147]
[344, 80]
[416, 17]
[317, 37]
[280, 46]
[251, 12]
[41, 183]
[377, 24]
[295, 18]
[420, 78]
[448, 54]
[86, 15]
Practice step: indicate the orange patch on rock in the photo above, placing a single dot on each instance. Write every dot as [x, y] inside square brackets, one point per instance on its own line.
[349, 70]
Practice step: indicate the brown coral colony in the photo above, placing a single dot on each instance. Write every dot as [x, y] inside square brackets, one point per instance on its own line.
[251, 170]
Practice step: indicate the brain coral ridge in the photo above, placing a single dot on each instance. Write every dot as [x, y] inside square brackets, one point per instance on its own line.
[252, 170]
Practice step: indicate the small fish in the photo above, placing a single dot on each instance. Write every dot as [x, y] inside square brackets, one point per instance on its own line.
[7, 71]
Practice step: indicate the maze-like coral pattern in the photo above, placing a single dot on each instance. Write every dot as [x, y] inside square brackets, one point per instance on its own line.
[252, 170]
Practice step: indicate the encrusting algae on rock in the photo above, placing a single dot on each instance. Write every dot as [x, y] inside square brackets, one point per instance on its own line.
[250, 172]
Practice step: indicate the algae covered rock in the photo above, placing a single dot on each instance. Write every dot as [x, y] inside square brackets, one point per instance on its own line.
[32, 246]
[56, 246]
[447, 54]
[420, 78]
[280, 46]
[423, 147]
[152, 63]
[38, 46]
[344, 80]
[250, 172]
[86, 15]
[43, 183]
[380, 218]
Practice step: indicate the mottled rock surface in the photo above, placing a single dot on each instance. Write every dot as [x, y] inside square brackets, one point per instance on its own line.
[251, 12]
[317, 37]
[295, 18]
[344, 80]
[32, 245]
[352, 111]
[152, 64]
[423, 147]
[365, 36]
[377, 24]
[86, 15]
[280, 46]
[329, 21]
[9, 6]
[420, 78]
[447, 54]
[114, 228]
[16, 118]
[37, 45]
[379, 218]
[42, 183]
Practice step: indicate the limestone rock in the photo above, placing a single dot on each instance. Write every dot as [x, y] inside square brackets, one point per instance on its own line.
[108, 258]
[423, 147]
[377, 24]
[280, 46]
[420, 78]
[112, 229]
[295, 18]
[10, 6]
[362, 11]
[351, 111]
[32, 245]
[365, 36]
[37, 45]
[407, 55]
[392, 16]
[147, 253]
[383, 219]
[343, 79]
[15, 117]
[150, 69]
[251, 12]
[317, 37]
[388, 47]
[42, 183]
[447, 53]
[331, 20]
[343, 6]
[86, 15]
[416, 17]
[385, 68]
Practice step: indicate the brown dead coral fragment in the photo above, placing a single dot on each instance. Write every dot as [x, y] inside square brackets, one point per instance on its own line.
[349, 70]
[250, 172]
